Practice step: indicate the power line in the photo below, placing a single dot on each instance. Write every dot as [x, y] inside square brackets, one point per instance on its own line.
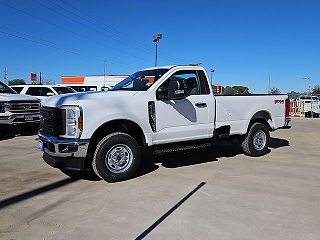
[46, 43]
[95, 28]
[95, 20]
[14, 69]
[124, 37]
[70, 31]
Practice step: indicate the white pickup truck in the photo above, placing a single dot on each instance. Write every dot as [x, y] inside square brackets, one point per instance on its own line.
[17, 108]
[104, 132]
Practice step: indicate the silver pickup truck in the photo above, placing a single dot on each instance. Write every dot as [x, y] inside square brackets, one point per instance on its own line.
[17, 108]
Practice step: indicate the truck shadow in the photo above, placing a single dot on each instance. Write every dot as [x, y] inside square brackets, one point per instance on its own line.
[9, 132]
[151, 161]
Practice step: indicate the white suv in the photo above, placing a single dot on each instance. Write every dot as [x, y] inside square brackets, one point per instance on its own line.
[17, 108]
[42, 91]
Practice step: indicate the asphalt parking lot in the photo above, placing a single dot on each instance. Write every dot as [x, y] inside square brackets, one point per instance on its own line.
[208, 193]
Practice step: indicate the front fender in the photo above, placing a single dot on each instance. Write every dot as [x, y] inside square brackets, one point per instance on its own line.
[90, 126]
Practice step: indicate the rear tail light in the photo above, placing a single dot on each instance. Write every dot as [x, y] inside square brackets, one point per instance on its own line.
[287, 107]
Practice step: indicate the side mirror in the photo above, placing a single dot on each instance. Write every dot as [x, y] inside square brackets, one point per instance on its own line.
[50, 94]
[162, 93]
[176, 90]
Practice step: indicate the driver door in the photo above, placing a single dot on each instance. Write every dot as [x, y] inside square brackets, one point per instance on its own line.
[183, 119]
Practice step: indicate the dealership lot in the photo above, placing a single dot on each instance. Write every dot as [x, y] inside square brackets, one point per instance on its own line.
[208, 193]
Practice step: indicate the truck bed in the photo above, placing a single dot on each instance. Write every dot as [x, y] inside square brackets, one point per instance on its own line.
[237, 111]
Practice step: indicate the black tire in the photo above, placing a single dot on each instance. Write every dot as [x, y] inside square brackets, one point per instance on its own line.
[111, 145]
[257, 140]
[86, 175]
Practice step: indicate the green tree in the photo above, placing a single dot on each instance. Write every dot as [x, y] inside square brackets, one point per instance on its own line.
[16, 82]
[228, 91]
[274, 90]
[316, 89]
[236, 90]
[241, 90]
[294, 95]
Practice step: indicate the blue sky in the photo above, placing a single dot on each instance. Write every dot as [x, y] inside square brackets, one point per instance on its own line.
[244, 41]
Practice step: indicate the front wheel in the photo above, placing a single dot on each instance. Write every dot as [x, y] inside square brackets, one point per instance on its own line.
[256, 142]
[117, 157]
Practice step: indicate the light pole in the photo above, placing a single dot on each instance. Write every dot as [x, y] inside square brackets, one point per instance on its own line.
[305, 83]
[5, 74]
[269, 85]
[308, 93]
[211, 73]
[156, 39]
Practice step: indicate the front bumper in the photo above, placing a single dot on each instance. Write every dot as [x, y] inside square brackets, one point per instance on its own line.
[64, 148]
[64, 153]
[18, 118]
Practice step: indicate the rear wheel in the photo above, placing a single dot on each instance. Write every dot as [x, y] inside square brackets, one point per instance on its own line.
[117, 157]
[256, 142]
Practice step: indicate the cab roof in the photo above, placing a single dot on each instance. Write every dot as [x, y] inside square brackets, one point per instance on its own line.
[172, 66]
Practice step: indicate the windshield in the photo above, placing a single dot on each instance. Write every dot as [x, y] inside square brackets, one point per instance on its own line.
[5, 89]
[63, 90]
[140, 81]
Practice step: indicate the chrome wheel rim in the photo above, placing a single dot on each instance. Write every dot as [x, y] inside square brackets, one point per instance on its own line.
[119, 158]
[259, 140]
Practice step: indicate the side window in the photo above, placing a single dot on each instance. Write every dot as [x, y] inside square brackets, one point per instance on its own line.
[17, 89]
[91, 88]
[204, 86]
[34, 91]
[76, 88]
[45, 91]
[188, 78]
[38, 91]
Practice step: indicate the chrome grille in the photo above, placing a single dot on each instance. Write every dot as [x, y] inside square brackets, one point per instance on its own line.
[24, 107]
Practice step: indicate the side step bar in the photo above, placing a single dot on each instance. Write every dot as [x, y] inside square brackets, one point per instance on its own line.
[182, 148]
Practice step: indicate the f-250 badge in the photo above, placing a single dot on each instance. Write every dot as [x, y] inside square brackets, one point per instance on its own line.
[278, 101]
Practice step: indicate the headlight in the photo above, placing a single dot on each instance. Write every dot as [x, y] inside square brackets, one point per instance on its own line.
[4, 106]
[73, 121]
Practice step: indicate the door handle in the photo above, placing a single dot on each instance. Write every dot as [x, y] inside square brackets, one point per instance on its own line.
[201, 105]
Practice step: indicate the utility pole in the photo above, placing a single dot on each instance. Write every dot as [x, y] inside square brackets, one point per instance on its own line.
[40, 78]
[156, 39]
[104, 73]
[5, 74]
[269, 85]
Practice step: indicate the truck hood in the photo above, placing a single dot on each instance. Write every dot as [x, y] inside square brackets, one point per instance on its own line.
[16, 97]
[81, 98]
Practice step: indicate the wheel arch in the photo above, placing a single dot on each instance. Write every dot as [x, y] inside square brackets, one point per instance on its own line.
[120, 125]
[262, 117]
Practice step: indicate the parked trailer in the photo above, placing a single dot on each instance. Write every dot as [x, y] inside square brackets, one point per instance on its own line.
[92, 83]
[311, 106]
